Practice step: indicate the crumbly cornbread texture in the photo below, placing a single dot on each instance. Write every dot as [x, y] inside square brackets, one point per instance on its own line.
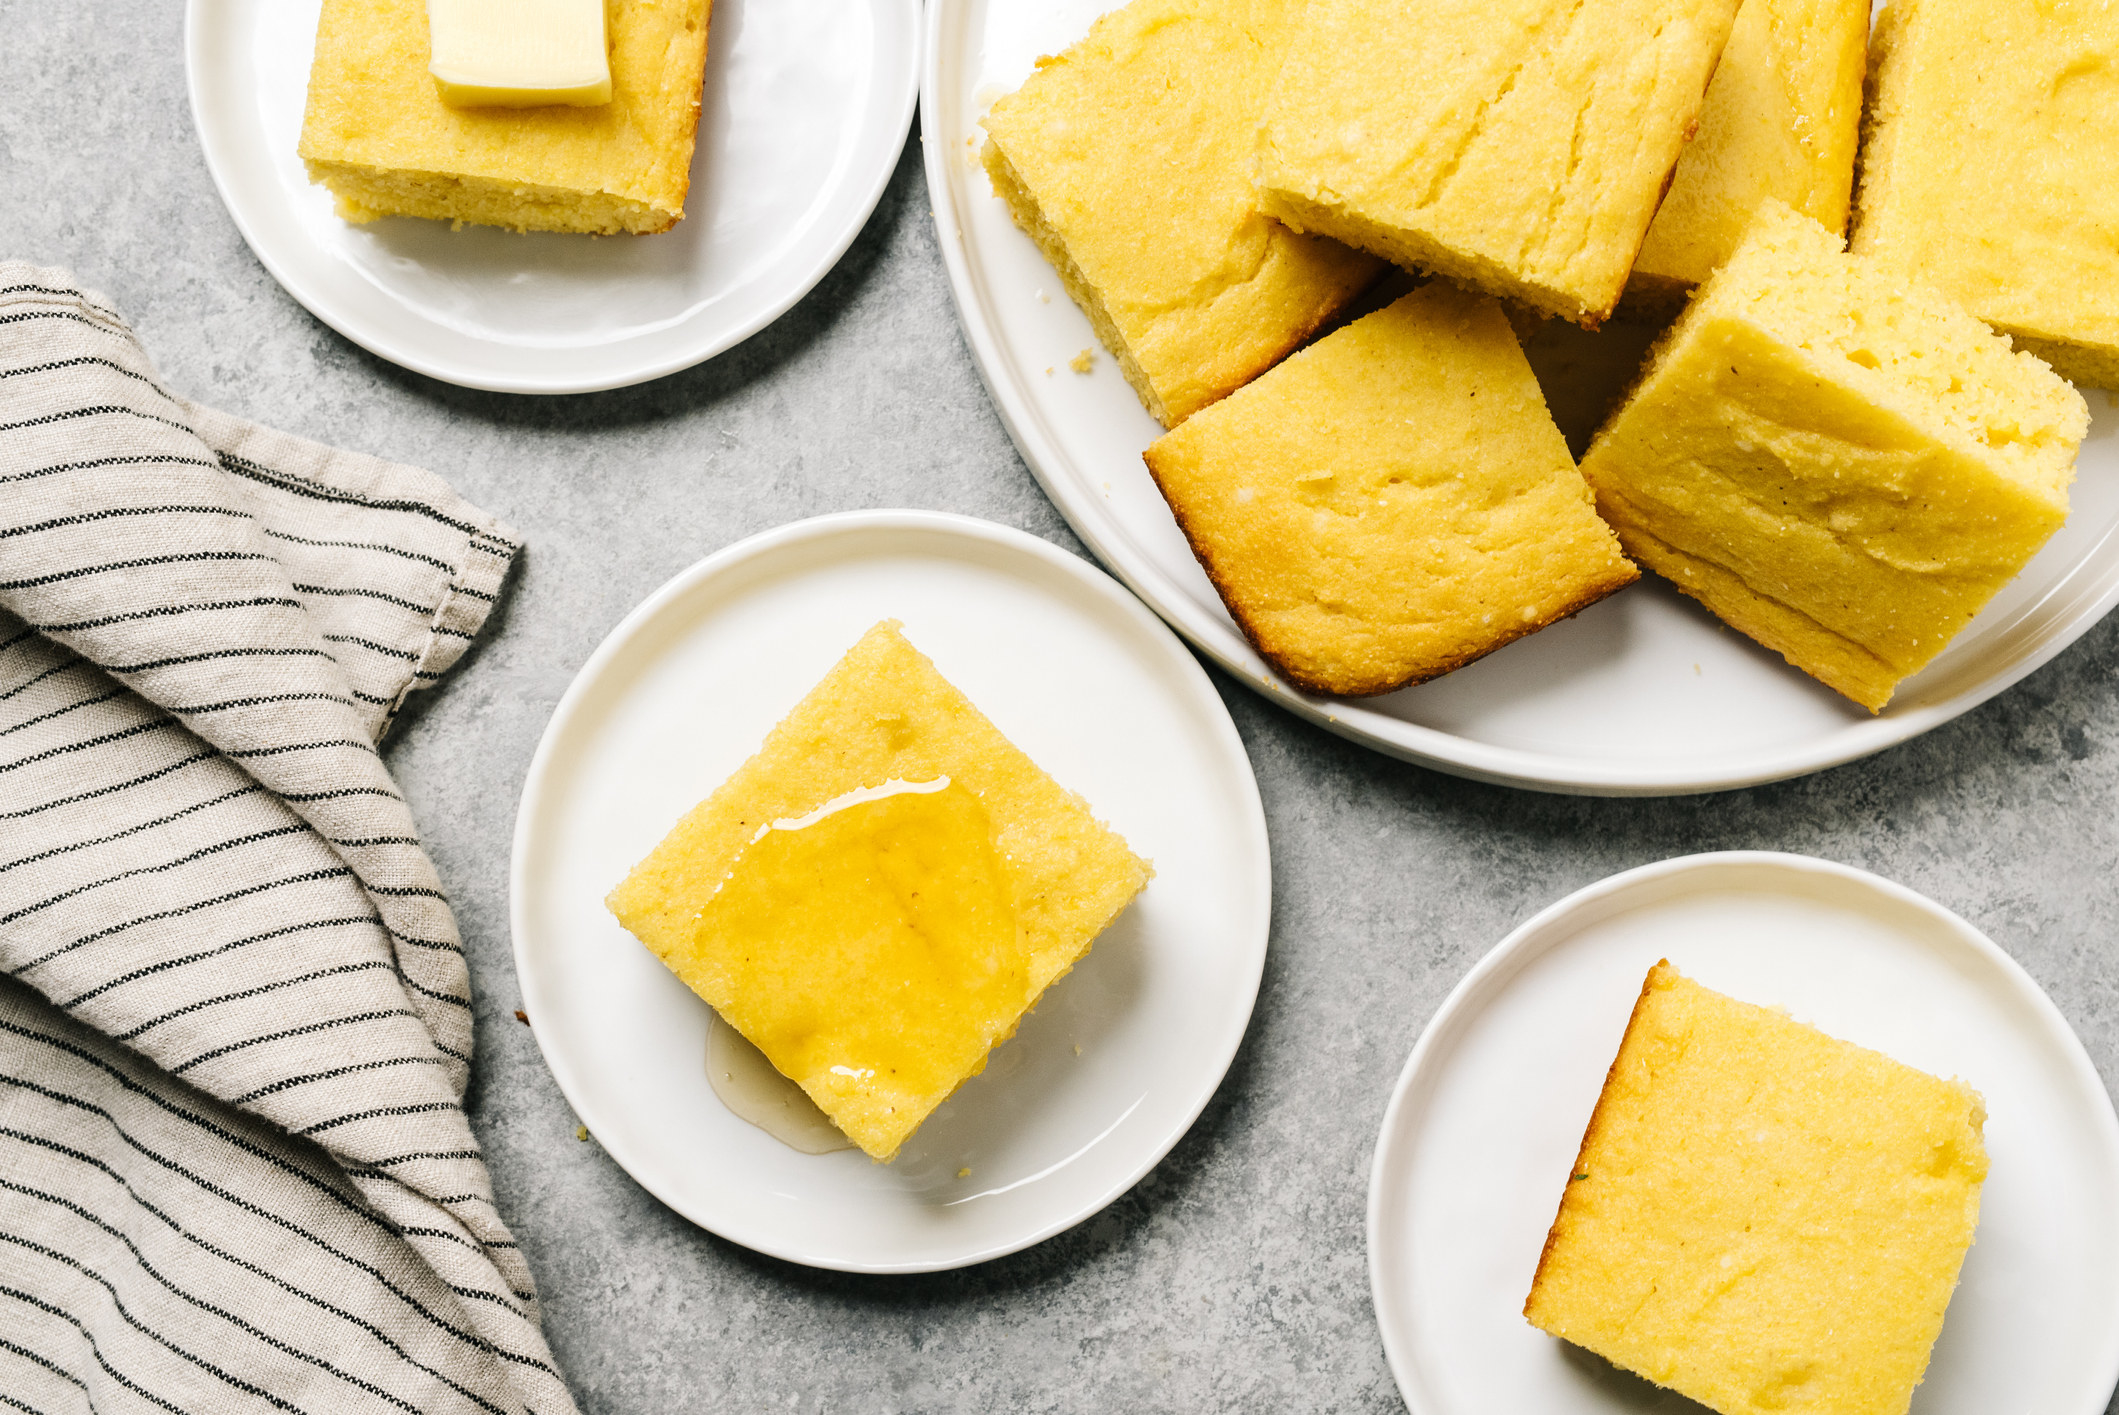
[1781, 120]
[1392, 502]
[1991, 168]
[1517, 145]
[1128, 160]
[1761, 1217]
[883, 713]
[1842, 465]
[378, 135]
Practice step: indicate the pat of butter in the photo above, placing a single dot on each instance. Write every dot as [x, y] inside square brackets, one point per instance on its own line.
[519, 53]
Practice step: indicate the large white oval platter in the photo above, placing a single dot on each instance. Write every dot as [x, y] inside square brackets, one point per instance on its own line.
[1489, 1112]
[1121, 1054]
[1643, 694]
[804, 113]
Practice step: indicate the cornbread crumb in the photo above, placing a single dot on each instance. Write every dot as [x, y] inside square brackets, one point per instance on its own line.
[1390, 503]
[1761, 1217]
[377, 134]
[1128, 160]
[1083, 362]
[882, 714]
[1840, 464]
[1990, 169]
[1519, 146]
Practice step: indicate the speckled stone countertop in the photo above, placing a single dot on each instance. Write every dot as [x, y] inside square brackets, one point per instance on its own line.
[1233, 1277]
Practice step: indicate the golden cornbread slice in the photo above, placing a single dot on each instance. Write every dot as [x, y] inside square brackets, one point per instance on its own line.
[1517, 145]
[1762, 1218]
[1840, 464]
[1991, 168]
[1780, 120]
[1392, 502]
[1128, 160]
[880, 1022]
[378, 135]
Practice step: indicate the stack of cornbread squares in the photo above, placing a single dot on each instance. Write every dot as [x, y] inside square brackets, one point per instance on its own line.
[1844, 455]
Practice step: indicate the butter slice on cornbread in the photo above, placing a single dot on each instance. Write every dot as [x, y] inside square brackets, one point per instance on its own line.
[1518, 146]
[378, 135]
[1392, 502]
[1840, 464]
[1991, 168]
[879, 1029]
[1762, 1218]
[1780, 120]
[1128, 160]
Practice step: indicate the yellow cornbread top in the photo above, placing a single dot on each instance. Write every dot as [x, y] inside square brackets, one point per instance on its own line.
[373, 103]
[869, 949]
[1780, 120]
[1762, 1217]
[1128, 158]
[883, 714]
[1864, 461]
[1517, 145]
[1392, 502]
[1991, 167]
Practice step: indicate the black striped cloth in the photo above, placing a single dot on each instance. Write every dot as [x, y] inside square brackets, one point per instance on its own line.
[235, 1171]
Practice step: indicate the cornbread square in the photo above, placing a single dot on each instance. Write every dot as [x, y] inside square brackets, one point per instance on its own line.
[1761, 1217]
[1517, 145]
[1392, 502]
[377, 134]
[1128, 160]
[1991, 168]
[1840, 464]
[1780, 120]
[882, 714]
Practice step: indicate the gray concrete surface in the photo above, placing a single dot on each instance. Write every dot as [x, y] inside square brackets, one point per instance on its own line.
[1233, 1278]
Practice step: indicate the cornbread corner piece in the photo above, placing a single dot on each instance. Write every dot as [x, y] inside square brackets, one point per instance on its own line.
[878, 1054]
[1519, 146]
[1990, 169]
[1762, 1218]
[1842, 465]
[1781, 120]
[1128, 160]
[377, 134]
[1392, 502]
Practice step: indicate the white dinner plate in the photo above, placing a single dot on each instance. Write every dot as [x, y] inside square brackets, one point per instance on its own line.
[1120, 1055]
[1490, 1110]
[1643, 693]
[804, 114]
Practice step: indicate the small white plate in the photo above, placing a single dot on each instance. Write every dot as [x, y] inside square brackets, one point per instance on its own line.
[1643, 694]
[1120, 1056]
[804, 114]
[1490, 1110]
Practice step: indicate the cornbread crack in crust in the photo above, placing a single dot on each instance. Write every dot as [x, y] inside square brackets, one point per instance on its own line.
[1391, 503]
[378, 136]
[883, 714]
[1845, 466]
[1762, 1217]
[1519, 147]
[1127, 159]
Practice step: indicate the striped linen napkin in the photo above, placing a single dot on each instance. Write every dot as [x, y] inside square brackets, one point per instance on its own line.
[235, 1170]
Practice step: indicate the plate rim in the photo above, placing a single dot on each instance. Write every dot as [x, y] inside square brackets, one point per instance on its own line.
[732, 560]
[1408, 741]
[619, 373]
[1531, 940]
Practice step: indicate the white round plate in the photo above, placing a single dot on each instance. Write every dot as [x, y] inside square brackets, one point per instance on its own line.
[804, 114]
[1643, 694]
[1121, 1054]
[1490, 1110]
